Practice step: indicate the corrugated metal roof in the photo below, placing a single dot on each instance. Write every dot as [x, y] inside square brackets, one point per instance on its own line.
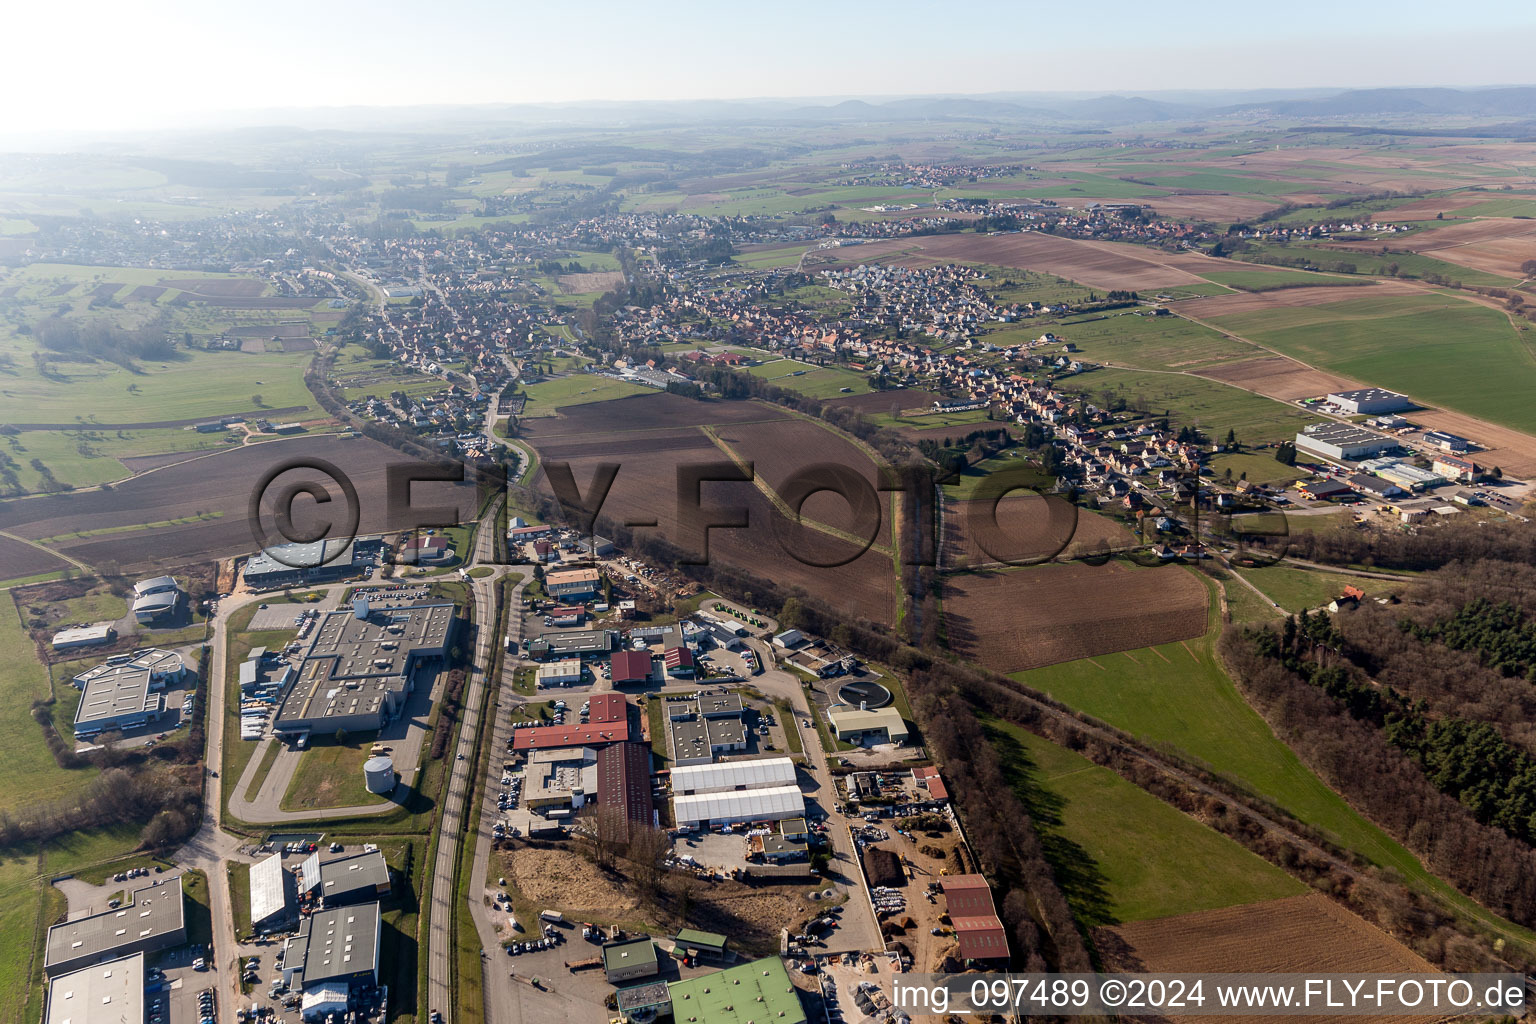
[268, 893]
[757, 774]
[741, 805]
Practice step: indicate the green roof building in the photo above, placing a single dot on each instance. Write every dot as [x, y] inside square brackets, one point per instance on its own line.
[625, 961]
[759, 991]
[710, 944]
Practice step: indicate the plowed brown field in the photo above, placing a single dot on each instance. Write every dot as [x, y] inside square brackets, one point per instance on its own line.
[1020, 619]
[1278, 377]
[1096, 264]
[1026, 532]
[1286, 298]
[1298, 934]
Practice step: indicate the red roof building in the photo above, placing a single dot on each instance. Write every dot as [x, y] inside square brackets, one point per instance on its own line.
[631, 667]
[607, 722]
[624, 782]
[929, 779]
[679, 661]
[968, 899]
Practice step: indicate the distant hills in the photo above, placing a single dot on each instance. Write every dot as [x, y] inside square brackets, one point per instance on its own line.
[1045, 109]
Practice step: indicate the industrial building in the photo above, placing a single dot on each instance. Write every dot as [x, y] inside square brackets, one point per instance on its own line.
[626, 961]
[154, 918]
[560, 779]
[321, 561]
[353, 879]
[273, 897]
[125, 692]
[1404, 474]
[109, 993]
[733, 776]
[566, 672]
[84, 636]
[968, 901]
[758, 991]
[630, 668]
[578, 583]
[706, 728]
[679, 662]
[862, 726]
[607, 722]
[156, 598]
[362, 666]
[710, 809]
[1452, 468]
[334, 952]
[1324, 490]
[1447, 442]
[571, 644]
[1379, 487]
[1370, 401]
[261, 673]
[624, 782]
[1343, 442]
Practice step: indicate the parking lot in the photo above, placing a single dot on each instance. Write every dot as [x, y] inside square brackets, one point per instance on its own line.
[181, 986]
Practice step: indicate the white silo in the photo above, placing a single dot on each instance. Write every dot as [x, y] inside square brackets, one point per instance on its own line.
[379, 775]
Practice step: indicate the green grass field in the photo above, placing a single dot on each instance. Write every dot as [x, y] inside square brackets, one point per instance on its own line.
[32, 775]
[1135, 340]
[1178, 696]
[578, 389]
[194, 385]
[1260, 467]
[1243, 605]
[1119, 853]
[813, 381]
[330, 774]
[1212, 406]
[1438, 349]
[1294, 589]
[964, 488]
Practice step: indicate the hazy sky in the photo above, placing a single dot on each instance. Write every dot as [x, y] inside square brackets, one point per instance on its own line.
[104, 65]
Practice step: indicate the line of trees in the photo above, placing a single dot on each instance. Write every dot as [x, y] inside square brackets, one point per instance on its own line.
[1357, 757]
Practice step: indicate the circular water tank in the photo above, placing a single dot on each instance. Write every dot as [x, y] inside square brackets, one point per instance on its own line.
[379, 775]
[864, 693]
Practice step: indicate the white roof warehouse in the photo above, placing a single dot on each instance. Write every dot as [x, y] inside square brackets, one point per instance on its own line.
[125, 692]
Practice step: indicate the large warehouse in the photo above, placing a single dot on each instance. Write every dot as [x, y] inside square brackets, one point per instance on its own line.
[272, 895]
[1343, 442]
[355, 878]
[321, 561]
[736, 791]
[1370, 401]
[334, 952]
[109, 993]
[153, 919]
[708, 809]
[862, 726]
[362, 666]
[125, 692]
[731, 776]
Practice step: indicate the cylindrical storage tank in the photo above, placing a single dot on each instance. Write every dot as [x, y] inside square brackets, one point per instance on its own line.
[379, 775]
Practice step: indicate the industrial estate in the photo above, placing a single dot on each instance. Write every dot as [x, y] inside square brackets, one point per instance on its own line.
[709, 562]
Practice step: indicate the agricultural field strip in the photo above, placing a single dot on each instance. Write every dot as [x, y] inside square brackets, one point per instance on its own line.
[780, 505]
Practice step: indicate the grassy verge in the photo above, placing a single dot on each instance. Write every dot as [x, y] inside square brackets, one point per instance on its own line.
[199, 910]
[239, 874]
[791, 726]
